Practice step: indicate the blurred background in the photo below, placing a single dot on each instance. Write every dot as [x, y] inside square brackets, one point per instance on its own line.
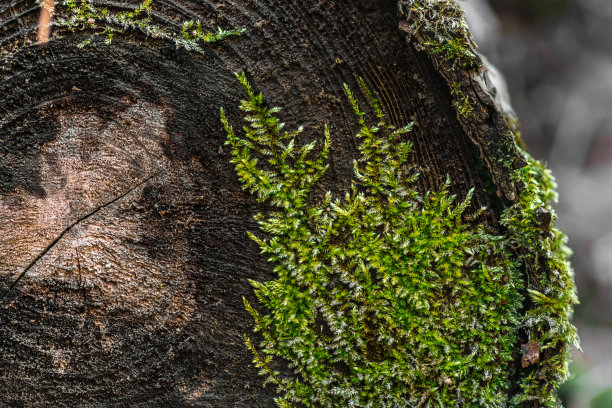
[556, 56]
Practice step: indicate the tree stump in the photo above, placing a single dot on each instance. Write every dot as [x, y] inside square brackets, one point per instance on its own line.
[124, 255]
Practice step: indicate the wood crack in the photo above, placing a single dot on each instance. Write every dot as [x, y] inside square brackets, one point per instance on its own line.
[69, 228]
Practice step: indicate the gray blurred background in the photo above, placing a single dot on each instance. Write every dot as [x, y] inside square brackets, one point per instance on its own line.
[556, 56]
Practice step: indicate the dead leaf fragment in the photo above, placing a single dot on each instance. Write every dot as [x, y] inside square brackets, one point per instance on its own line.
[531, 353]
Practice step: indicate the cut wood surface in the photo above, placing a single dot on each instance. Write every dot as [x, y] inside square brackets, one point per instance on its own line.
[124, 255]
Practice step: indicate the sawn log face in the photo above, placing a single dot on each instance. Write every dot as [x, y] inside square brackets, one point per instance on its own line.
[124, 256]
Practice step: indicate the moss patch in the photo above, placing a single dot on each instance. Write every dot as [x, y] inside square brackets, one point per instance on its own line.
[543, 253]
[442, 31]
[84, 16]
[384, 297]
[534, 243]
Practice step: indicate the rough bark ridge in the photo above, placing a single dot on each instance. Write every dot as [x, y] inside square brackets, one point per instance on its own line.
[124, 254]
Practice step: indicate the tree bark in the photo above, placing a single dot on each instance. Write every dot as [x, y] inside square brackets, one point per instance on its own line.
[124, 256]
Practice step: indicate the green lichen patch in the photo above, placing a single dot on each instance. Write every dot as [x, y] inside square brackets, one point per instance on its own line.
[542, 251]
[84, 16]
[383, 297]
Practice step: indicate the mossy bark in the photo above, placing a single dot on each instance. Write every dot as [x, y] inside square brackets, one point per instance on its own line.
[124, 256]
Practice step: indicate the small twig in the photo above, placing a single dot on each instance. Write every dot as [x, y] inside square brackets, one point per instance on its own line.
[44, 24]
[423, 400]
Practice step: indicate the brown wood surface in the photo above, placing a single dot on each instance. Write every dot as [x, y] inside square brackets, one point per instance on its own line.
[123, 247]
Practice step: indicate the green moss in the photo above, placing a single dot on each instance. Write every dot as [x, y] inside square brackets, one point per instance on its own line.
[456, 51]
[513, 124]
[507, 152]
[384, 297]
[541, 248]
[542, 251]
[441, 30]
[463, 106]
[538, 247]
[84, 16]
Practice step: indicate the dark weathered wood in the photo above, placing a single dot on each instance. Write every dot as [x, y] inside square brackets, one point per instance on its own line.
[124, 255]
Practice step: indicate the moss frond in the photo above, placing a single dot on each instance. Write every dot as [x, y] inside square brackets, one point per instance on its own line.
[383, 297]
[543, 253]
[84, 16]
[441, 30]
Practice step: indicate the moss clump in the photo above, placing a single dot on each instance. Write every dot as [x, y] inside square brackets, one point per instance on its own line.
[82, 15]
[441, 30]
[384, 298]
[542, 251]
[461, 102]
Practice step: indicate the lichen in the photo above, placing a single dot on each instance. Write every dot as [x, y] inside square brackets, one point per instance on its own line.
[383, 298]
